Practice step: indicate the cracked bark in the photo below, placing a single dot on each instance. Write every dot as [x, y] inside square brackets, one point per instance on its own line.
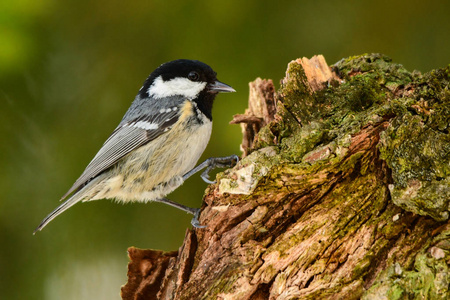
[343, 193]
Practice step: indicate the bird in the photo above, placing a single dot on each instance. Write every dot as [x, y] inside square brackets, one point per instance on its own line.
[158, 142]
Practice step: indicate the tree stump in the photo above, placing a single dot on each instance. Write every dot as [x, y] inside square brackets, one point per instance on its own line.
[343, 193]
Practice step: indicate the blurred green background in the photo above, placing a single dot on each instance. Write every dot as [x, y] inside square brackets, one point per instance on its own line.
[70, 69]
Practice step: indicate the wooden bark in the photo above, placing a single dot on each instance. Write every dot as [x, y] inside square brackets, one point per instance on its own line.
[343, 193]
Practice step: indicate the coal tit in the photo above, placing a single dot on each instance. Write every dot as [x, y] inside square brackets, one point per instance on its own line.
[158, 142]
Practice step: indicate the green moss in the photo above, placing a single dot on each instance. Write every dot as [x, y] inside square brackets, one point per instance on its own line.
[416, 146]
[265, 138]
[433, 97]
[351, 162]
[376, 66]
[395, 293]
[222, 285]
[296, 95]
[302, 141]
[428, 280]
[418, 156]
[357, 94]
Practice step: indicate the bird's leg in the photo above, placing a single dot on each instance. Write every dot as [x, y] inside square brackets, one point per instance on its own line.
[212, 163]
[209, 164]
[194, 211]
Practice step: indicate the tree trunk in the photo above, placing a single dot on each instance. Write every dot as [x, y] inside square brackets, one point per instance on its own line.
[343, 193]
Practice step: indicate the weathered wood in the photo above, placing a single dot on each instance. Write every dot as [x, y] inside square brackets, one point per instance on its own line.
[261, 111]
[343, 194]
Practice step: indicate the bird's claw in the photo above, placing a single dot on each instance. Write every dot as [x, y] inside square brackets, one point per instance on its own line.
[219, 162]
[195, 222]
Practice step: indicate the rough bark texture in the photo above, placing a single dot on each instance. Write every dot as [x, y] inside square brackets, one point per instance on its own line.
[343, 193]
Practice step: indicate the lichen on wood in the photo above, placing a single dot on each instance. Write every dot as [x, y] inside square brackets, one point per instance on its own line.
[343, 193]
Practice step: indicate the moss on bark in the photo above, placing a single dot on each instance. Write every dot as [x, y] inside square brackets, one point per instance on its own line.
[344, 194]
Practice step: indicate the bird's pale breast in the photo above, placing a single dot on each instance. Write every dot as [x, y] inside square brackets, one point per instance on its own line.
[150, 173]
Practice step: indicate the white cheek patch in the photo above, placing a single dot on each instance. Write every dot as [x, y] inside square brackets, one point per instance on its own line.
[175, 87]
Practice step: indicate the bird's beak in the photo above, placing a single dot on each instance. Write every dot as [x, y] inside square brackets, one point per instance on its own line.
[220, 87]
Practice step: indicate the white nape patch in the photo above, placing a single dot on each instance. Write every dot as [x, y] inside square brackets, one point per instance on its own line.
[144, 125]
[179, 86]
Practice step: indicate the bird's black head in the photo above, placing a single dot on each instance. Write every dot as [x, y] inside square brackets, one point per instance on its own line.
[191, 79]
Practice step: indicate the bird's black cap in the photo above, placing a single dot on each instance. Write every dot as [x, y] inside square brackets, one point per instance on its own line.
[180, 68]
[193, 70]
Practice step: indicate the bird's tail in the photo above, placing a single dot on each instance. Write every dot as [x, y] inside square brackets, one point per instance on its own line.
[60, 209]
[87, 193]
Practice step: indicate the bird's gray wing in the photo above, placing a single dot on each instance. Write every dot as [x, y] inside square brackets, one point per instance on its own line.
[126, 138]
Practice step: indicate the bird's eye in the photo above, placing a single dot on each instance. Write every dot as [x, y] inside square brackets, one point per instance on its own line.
[193, 76]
